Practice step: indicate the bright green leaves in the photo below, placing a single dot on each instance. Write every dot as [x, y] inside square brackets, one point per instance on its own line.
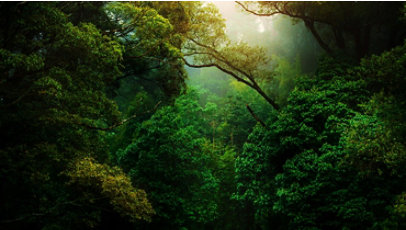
[332, 157]
[252, 175]
[111, 183]
[166, 159]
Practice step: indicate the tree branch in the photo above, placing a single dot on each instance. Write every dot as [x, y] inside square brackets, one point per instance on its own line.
[284, 11]
[255, 116]
[309, 22]
[222, 58]
[310, 26]
[251, 84]
[235, 71]
[256, 13]
[138, 73]
[220, 68]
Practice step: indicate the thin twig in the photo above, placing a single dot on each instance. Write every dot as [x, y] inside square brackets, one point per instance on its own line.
[255, 116]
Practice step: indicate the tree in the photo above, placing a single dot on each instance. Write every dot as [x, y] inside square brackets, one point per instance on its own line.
[355, 28]
[226, 99]
[150, 45]
[330, 159]
[204, 43]
[167, 160]
[53, 108]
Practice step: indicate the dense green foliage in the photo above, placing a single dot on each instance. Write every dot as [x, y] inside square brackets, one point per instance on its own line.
[152, 115]
[54, 78]
[331, 159]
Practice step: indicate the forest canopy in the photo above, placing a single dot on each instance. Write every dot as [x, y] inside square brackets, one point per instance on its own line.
[202, 115]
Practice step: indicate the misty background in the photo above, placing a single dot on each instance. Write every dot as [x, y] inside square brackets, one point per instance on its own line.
[291, 47]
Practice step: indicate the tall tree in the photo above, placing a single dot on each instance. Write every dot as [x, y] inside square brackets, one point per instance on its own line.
[53, 108]
[167, 159]
[330, 159]
[204, 43]
[354, 28]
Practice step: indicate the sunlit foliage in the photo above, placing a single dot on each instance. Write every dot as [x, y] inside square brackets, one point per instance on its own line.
[114, 185]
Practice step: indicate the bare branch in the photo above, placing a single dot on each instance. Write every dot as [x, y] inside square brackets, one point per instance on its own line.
[310, 26]
[255, 116]
[255, 13]
[309, 21]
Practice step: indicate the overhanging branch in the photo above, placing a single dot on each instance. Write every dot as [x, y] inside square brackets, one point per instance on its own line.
[255, 13]
[220, 68]
[253, 84]
[221, 58]
[308, 21]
